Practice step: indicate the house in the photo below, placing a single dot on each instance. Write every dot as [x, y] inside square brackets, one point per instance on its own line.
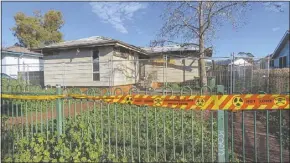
[263, 63]
[19, 61]
[104, 62]
[91, 62]
[280, 57]
[240, 66]
[182, 63]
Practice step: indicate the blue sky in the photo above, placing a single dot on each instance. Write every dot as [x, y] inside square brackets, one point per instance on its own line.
[140, 21]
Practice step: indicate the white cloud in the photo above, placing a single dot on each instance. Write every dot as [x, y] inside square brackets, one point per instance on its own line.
[116, 13]
[137, 30]
[275, 29]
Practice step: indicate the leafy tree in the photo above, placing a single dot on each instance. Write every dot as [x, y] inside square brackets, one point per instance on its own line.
[33, 31]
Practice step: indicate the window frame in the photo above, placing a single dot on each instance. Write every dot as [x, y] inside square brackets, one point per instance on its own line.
[272, 63]
[93, 64]
[282, 62]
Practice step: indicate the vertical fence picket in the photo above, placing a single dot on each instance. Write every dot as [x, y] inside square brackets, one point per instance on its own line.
[173, 136]
[102, 126]
[131, 134]
[41, 120]
[156, 134]
[109, 129]
[36, 117]
[138, 134]
[243, 135]
[267, 135]
[147, 134]
[22, 123]
[164, 135]
[124, 132]
[255, 135]
[192, 135]
[281, 135]
[116, 130]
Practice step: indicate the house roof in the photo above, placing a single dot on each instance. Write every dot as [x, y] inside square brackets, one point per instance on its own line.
[173, 48]
[17, 50]
[240, 62]
[105, 41]
[90, 42]
[281, 44]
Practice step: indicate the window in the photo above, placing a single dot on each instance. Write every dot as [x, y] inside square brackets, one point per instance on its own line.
[271, 63]
[96, 66]
[282, 62]
[262, 66]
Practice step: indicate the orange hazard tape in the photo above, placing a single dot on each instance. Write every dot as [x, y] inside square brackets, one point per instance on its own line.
[32, 97]
[253, 101]
[213, 102]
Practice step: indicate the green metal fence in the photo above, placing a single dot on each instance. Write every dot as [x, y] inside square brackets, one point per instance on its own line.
[132, 133]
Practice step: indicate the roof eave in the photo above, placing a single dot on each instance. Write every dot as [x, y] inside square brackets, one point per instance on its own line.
[22, 54]
[75, 46]
[281, 44]
[132, 48]
[111, 43]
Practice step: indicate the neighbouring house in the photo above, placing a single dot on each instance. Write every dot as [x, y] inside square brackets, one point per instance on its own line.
[232, 74]
[263, 63]
[19, 62]
[241, 67]
[104, 62]
[281, 56]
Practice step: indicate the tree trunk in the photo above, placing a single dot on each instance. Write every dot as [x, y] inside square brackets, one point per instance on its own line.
[202, 70]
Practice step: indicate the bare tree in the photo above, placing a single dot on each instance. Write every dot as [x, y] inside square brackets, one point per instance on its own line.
[198, 21]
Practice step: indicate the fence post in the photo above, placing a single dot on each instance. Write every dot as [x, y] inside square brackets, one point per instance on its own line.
[222, 131]
[59, 111]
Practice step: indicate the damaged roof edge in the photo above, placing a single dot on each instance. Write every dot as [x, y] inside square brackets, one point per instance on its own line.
[107, 43]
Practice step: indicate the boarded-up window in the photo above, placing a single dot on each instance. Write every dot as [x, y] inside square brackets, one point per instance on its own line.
[96, 66]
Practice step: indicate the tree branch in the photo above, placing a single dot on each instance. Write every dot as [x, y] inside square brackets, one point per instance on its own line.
[208, 21]
[223, 8]
[193, 28]
[188, 4]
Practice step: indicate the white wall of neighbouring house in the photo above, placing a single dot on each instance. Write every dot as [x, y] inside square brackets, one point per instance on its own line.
[12, 65]
[74, 68]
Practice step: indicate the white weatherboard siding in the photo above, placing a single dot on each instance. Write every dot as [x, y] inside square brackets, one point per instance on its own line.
[70, 68]
[125, 70]
[176, 70]
[12, 65]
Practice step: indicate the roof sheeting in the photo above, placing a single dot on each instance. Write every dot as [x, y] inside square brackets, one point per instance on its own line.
[83, 41]
[160, 49]
[91, 41]
[17, 50]
[239, 62]
[100, 40]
